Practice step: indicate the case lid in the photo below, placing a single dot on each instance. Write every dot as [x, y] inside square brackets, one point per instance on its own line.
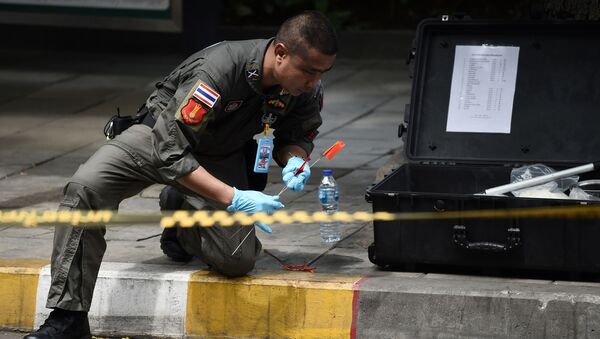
[555, 117]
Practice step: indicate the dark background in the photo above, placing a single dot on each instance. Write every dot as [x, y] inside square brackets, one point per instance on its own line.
[241, 19]
[402, 14]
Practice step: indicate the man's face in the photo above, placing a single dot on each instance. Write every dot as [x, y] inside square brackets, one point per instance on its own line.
[300, 74]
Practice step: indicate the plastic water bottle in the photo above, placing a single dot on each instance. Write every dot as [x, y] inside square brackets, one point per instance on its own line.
[328, 198]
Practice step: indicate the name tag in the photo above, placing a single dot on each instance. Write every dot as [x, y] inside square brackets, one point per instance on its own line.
[264, 153]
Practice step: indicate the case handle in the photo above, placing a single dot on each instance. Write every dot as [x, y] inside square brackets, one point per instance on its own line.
[513, 240]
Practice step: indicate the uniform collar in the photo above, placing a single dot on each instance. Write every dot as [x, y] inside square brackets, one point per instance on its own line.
[253, 70]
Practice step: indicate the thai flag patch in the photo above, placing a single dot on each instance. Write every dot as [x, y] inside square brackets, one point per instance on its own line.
[206, 95]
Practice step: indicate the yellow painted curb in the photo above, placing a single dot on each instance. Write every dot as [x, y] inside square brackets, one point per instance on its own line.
[287, 304]
[18, 290]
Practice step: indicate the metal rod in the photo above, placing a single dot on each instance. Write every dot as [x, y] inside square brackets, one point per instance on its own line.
[235, 233]
[282, 190]
[311, 165]
[146, 238]
[316, 161]
[274, 257]
[240, 245]
[539, 180]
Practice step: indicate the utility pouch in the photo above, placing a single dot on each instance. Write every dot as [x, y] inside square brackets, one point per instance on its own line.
[118, 123]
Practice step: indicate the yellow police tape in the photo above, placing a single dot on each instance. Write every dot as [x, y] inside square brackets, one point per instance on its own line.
[78, 218]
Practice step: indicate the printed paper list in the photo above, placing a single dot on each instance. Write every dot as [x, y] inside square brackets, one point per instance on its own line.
[482, 89]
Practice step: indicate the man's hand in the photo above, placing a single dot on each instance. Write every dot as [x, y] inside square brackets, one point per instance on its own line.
[295, 182]
[252, 202]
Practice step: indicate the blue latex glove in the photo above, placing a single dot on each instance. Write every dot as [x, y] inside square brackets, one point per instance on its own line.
[252, 202]
[295, 182]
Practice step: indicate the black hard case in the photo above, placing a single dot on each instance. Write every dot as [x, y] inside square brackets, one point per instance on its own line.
[555, 121]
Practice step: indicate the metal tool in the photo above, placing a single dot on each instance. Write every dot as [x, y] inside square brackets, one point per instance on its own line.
[298, 171]
[499, 190]
[328, 153]
[241, 242]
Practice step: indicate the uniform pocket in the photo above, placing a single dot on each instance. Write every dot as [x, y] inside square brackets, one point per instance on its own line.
[69, 202]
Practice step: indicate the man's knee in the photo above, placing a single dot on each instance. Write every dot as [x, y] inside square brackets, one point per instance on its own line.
[241, 265]
[170, 199]
[235, 267]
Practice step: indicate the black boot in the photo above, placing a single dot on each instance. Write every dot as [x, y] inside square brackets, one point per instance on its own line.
[171, 199]
[63, 324]
[171, 247]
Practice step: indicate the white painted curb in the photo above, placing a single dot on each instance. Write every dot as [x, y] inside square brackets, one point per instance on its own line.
[131, 299]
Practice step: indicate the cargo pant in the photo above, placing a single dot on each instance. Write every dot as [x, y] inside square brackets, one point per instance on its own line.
[121, 169]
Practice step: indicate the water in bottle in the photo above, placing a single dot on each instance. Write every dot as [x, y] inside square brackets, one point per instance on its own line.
[328, 198]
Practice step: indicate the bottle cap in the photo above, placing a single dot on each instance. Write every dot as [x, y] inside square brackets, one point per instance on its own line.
[327, 172]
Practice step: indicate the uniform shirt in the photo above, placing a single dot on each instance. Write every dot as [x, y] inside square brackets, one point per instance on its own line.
[213, 103]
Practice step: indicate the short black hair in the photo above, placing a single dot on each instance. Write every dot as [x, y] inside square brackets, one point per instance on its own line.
[308, 29]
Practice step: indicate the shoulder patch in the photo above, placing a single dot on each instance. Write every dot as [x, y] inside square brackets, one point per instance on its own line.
[196, 104]
[206, 95]
[252, 70]
[193, 112]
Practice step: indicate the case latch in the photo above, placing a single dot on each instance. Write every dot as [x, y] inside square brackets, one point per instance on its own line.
[403, 127]
[455, 16]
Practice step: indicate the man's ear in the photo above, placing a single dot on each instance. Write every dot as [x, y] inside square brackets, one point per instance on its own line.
[281, 51]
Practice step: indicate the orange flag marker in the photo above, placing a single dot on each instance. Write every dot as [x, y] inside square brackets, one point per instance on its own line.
[334, 149]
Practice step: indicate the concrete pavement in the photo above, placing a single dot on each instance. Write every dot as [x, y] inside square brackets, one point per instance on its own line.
[53, 106]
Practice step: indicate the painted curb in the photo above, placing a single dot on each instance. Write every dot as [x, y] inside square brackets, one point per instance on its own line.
[174, 301]
[167, 301]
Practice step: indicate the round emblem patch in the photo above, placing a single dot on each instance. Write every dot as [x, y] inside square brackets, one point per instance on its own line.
[233, 106]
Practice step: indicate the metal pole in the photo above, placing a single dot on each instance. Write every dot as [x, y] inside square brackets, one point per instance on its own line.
[499, 190]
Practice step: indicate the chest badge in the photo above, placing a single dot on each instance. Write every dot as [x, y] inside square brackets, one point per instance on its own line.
[233, 106]
[268, 118]
[276, 103]
[252, 73]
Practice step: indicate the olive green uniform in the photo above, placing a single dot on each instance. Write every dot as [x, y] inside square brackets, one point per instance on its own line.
[191, 130]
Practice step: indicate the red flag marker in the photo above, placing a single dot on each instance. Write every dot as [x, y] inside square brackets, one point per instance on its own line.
[331, 151]
[334, 149]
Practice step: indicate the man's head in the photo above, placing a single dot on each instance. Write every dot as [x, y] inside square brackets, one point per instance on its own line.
[305, 48]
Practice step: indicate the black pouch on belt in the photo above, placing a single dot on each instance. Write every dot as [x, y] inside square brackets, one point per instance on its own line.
[118, 123]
